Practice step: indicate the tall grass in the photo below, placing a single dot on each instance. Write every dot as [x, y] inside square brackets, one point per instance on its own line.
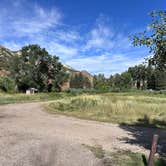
[123, 158]
[140, 110]
[21, 98]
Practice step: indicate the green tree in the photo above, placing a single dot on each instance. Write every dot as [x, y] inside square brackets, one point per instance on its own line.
[155, 40]
[126, 80]
[7, 84]
[35, 67]
[79, 81]
[160, 79]
[101, 83]
[118, 81]
[139, 76]
[151, 80]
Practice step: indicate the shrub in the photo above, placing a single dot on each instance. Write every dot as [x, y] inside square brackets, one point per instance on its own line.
[75, 92]
[7, 84]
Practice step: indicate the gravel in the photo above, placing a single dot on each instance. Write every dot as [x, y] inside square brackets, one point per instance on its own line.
[31, 137]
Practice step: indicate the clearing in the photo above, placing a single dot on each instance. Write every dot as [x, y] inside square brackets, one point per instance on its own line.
[30, 136]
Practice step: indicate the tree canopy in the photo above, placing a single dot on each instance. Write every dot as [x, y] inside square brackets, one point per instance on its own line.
[34, 68]
[155, 39]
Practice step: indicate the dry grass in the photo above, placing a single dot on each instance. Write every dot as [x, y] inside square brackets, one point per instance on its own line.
[22, 97]
[122, 158]
[116, 108]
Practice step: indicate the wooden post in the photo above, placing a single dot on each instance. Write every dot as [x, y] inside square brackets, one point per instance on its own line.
[153, 150]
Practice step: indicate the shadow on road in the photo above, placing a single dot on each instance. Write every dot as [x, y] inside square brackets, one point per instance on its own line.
[142, 136]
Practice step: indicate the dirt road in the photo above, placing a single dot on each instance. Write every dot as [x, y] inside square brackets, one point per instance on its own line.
[30, 136]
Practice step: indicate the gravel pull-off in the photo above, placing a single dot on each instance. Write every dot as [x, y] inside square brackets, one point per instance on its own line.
[32, 137]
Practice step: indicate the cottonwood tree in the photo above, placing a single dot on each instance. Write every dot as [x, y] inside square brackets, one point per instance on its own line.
[101, 83]
[139, 75]
[155, 39]
[35, 67]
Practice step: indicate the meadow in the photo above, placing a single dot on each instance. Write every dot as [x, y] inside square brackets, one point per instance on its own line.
[6, 98]
[132, 108]
[121, 108]
[127, 108]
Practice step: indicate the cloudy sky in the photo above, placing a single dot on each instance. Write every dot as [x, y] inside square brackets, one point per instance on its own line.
[86, 34]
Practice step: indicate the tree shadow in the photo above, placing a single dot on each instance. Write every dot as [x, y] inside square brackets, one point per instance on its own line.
[147, 122]
[143, 136]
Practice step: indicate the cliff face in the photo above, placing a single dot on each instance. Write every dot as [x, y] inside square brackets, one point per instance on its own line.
[88, 76]
[6, 54]
[76, 75]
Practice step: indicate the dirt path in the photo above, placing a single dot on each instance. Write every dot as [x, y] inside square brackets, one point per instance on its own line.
[30, 136]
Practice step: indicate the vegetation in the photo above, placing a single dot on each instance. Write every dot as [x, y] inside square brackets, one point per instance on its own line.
[78, 81]
[98, 151]
[7, 84]
[38, 69]
[21, 98]
[122, 108]
[101, 84]
[35, 68]
[144, 76]
[122, 158]
[155, 40]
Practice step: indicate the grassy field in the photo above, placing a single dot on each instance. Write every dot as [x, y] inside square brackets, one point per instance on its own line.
[22, 98]
[121, 108]
[134, 108]
[122, 158]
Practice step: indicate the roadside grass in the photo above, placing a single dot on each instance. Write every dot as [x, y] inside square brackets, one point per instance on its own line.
[114, 107]
[22, 98]
[122, 158]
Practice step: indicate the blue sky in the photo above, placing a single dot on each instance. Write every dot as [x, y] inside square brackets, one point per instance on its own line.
[86, 34]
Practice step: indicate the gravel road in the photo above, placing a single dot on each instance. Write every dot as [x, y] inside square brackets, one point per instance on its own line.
[31, 137]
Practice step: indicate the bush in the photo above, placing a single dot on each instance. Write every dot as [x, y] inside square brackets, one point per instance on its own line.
[7, 84]
[75, 92]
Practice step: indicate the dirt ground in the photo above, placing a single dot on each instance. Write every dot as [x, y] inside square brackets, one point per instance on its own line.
[30, 136]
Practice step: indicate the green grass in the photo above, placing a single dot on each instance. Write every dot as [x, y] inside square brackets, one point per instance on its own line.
[133, 108]
[122, 158]
[21, 98]
[121, 108]
[96, 150]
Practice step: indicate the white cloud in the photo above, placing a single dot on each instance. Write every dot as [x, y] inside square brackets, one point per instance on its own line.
[100, 49]
[67, 35]
[63, 51]
[13, 45]
[103, 37]
[29, 22]
[40, 21]
[39, 26]
[100, 36]
[105, 63]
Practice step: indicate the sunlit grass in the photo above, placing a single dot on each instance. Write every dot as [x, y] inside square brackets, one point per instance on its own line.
[122, 158]
[140, 110]
[22, 97]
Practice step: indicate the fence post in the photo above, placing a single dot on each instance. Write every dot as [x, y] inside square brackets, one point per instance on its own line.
[153, 150]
